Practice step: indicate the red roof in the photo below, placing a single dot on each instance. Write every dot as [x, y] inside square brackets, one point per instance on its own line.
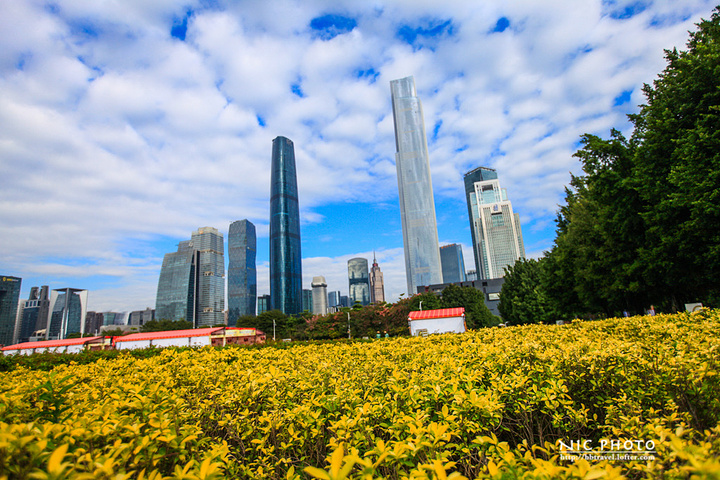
[52, 343]
[440, 313]
[194, 332]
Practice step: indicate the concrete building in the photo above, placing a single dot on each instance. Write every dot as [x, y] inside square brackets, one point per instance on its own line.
[377, 285]
[417, 204]
[319, 296]
[34, 315]
[497, 237]
[490, 287]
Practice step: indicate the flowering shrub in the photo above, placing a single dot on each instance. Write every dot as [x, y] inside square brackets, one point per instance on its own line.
[493, 403]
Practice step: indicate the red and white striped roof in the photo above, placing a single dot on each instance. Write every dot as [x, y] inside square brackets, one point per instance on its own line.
[193, 332]
[53, 343]
[440, 313]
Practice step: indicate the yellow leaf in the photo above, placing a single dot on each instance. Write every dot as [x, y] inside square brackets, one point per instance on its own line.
[439, 470]
[336, 460]
[55, 462]
[317, 473]
[492, 468]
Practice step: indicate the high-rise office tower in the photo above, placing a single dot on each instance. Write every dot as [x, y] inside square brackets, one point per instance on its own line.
[417, 204]
[334, 298]
[453, 265]
[209, 244]
[9, 299]
[192, 281]
[480, 174]
[242, 275]
[176, 287]
[359, 281]
[35, 313]
[377, 286]
[497, 238]
[319, 296]
[67, 311]
[285, 258]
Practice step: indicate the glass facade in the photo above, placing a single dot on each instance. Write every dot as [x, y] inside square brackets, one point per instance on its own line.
[496, 230]
[479, 174]
[176, 288]
[359, 281]
[263, 304]
[210, 297]
[68, 308]
[242, 274]
[417, 204]
[9, 298]
[34, 313]
[192, 281]
[453, 264]
[285, 257]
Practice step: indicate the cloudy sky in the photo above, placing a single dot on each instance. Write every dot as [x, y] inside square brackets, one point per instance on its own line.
[124, 126]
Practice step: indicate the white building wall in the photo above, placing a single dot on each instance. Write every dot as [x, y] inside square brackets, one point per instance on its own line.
[438, 325]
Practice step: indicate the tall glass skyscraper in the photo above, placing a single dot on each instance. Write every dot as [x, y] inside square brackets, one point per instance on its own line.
[479, 174]
[285, 258]
[9, 298]
[209, 244]
[34, 313]
[417, 204]
[68, 307]
[497, 235]
[242, 275]
[176, 288]
[453, 264]
[192, 281]
[359, 281]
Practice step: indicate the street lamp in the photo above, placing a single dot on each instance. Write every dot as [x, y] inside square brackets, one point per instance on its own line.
[421, 305]
[348, 314]
[273, 329]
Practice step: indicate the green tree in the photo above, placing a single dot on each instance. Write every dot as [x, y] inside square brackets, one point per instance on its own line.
[523, 298]
[477, 314]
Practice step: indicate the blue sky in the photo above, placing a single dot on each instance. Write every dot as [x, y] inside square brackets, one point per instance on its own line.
[124, 126]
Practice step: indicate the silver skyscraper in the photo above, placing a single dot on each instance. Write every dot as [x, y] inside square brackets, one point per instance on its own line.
[417, 204]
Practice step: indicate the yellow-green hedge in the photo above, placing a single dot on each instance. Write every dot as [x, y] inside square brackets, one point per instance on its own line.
[492, 403]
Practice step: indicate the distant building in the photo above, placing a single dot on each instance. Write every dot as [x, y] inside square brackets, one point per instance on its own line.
[359, 281]
[285, 258]
[377, 286]
[93, 322]
[242, 274]
[453, 264]
[192, 281]
[344, 301]
[307, 300]
[263, 304]
[319, 296]
[68, 308]
[417, 204]
[334, 298]
[497, 238]
[34, 313]
[9, 299]
[471, 275]
[141, 317]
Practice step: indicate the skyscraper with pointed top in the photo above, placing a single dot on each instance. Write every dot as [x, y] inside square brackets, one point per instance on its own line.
[417, 204]
[377, 286]
[285, 257]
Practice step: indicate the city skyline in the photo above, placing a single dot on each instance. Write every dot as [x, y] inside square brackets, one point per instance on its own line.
[125, 128]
